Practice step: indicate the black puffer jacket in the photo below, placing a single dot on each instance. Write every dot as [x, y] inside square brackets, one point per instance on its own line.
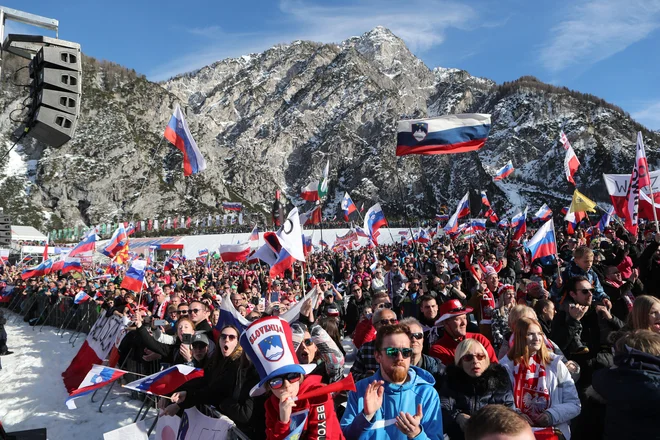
[463, 394]
[632, 392]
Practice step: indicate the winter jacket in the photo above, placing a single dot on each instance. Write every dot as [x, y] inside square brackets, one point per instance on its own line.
[435, 367]
[354, 311]
[396, 398]
[591, 331]
[321, 421]
[649, 269]
[573, 270]
[396, 286]
[463, 394]
[632, 392]
[564, 400]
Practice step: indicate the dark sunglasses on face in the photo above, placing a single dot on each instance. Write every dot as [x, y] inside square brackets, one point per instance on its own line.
[225, 336]
[394, 352]
[385, 306]
[418, 336]
[182, 312]
[471, 357]
[199, 346]
[392, 321]
[195, 311]
[278, 382]
[308, 342]
[587, 291]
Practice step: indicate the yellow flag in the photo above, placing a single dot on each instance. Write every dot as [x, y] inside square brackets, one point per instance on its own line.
[581, 203]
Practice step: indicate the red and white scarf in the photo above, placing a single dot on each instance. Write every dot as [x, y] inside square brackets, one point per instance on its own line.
[530, 389]
[487, 305]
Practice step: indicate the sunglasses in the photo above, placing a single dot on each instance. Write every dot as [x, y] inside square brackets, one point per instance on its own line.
[394, 352]
[471, 357]
[182, 312]
[195, 311]
[587, 291]
[418, 336]
[392, 321]
[230, 337]
[199, 346]
[308, 342]
[385, 306]
[278, 382]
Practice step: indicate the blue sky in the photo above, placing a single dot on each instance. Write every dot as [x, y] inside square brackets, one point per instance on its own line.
[609, 48]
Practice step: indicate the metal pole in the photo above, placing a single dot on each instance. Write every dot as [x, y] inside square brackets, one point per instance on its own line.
[52, 308]
[64, 321]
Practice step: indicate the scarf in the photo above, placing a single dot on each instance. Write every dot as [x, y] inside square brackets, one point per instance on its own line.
[530, 389]
[487, 305]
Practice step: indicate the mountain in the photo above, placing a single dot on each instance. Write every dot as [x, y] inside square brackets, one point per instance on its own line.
[271, 120]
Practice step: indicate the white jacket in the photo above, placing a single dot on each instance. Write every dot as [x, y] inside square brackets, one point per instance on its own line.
[564, 400]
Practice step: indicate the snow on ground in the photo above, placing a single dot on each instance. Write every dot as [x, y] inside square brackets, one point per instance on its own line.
[32, 393]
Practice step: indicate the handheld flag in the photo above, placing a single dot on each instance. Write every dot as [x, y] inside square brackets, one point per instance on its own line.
[581, 203]
[81, 297]
[85, 249]
[543, 214]
[117, 243]
[166, 381]
[347, 206]
[374, 219]
[71, 265]
[311, 191]
[571, 164]
[478, 224]
[98, 377]
[254, 236]
[604, 221]
[42, 269]
[311, 217]
[442, 135]
[543, 243]
[463, 209]
[178, 134]
[45, 256]
[519, 224]
[504, 172]
[234, 252]
[134, 276]
[232, 206]
[290, 236]
[638, 179]
[484, 199]
[323, 186]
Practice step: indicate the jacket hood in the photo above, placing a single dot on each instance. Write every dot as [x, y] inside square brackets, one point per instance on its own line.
[638, 360]
[494, 378]
[417, 378]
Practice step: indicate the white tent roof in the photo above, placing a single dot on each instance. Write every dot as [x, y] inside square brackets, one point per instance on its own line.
[26, 233]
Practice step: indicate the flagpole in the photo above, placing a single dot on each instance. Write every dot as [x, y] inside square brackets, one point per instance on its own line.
[655, 214]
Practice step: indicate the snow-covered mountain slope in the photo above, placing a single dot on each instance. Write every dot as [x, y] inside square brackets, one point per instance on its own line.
[271, 120]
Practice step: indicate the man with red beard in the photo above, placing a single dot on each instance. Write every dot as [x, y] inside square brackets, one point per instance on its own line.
[399, 401]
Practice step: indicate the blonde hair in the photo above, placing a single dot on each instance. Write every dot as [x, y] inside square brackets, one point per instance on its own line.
[519, 351]
[518, 312]
[465, 346]
[643, 340]
[582, 251]
[639, 316]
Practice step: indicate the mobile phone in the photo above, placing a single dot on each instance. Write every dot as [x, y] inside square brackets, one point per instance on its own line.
[160, 322]
[186, 338]
[262, 302]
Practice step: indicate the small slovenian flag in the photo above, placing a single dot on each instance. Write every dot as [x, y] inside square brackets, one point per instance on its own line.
[166, 381]
[81, 297]
[504, 172]
[254, 236]
[98, 377]
[203, 252]
[543, 214]
[543, 243]
[478, 224]
[135, 276]
[71, 265]
[178, 134]
[504, 223]
[519, 224]
[442, 217]
[322, 243]
[347, 206]
[232, 206]
[442, 135]
[374, 219]
[463, 209]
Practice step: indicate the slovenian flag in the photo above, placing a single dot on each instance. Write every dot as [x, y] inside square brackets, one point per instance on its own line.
[178, 134]
[348, 206]
[81, 297]
[232, 206]
[543, 214]
[254, 236]
[504, 223]
[519, 224]
[98, 377]
[166, 381]
[71, 265]
[442, 135]
[203, 252]
[478, 224]
[441, 217]
[505, 171]
[117, 243]
[605, 220]
[374, 219]
[134, 276]
[463, 209]
[307, 244]
[42, 269]
[543, 243]
[86, 247]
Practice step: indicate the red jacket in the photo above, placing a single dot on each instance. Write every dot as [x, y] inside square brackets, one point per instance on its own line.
[445, 347]
[322, 422]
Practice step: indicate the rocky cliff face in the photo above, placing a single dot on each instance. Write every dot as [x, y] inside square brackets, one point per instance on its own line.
[271, 120]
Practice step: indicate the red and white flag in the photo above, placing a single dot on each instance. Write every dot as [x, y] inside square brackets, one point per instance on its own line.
[234, 252]
[564, 140]
[571, 163]
[638, 179]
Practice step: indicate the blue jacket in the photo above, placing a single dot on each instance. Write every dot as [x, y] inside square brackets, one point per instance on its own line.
[573, 270]
[418, 389]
